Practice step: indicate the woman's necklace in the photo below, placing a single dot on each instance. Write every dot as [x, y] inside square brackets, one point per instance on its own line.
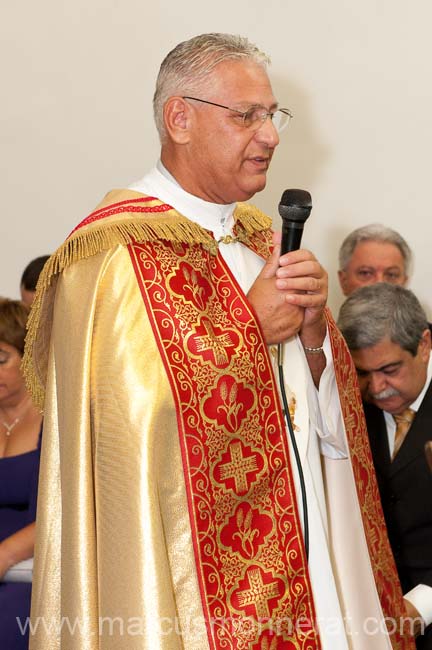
[10, 427]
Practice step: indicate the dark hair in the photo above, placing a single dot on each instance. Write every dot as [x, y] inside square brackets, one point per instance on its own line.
[378, 310]
[32, 271]
[13, 320]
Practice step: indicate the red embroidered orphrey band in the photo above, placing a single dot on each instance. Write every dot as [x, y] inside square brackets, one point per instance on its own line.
[380, 552]
[248, 545]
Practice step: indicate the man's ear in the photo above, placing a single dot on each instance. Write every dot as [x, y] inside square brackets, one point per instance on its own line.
[342, 281]
[424, 347]
[177, 119]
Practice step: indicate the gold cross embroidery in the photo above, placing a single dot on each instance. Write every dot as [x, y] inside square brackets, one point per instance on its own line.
[238, 468]
[217, 344]
[258, 594]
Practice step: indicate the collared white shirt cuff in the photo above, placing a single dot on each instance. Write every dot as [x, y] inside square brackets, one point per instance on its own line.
[421, 598]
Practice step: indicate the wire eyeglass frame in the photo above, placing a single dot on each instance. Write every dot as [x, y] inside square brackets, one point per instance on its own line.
[255, 116]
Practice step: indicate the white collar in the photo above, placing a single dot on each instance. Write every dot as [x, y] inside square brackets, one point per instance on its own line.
[212, 216]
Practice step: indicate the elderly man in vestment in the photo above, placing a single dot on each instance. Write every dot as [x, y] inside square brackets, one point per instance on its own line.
[171, 513]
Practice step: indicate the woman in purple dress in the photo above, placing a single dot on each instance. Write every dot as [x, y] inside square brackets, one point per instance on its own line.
[20, 427]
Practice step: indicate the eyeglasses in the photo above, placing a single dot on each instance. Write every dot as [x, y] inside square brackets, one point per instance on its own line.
[255, 116]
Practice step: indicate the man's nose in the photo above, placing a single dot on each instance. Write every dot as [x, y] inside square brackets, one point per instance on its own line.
[267, 133]
[377, 383]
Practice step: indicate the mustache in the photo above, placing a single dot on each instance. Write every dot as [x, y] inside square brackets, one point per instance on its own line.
[385, 394]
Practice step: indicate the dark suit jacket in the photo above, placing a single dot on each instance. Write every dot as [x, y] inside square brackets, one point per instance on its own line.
[406, 493]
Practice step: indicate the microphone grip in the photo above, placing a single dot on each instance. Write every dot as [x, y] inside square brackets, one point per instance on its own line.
[292, 232]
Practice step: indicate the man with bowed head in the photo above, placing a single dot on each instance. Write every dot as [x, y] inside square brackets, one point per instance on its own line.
[389, 338]
[170, 512]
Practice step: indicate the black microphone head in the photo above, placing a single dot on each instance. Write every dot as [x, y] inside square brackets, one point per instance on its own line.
[295, 205]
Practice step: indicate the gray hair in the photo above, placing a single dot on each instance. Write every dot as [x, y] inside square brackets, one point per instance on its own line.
[382, 310]
[185, 70]
[374, 232]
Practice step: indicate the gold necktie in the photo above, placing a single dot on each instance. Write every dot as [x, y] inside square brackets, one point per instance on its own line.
[403, 423]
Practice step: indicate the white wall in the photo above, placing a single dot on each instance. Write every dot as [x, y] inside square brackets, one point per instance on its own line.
[76, 121]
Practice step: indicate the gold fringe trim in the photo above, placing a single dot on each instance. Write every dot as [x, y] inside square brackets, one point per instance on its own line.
[91, 240]
[28, 364]
[251, 218]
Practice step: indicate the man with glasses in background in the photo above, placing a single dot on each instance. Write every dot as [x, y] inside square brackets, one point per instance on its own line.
[373, 253]
[166, 455]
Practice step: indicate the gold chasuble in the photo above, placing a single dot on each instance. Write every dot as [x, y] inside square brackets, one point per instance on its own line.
[167, 516]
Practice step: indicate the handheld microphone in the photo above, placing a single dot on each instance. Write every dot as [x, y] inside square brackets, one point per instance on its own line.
[294, 208]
